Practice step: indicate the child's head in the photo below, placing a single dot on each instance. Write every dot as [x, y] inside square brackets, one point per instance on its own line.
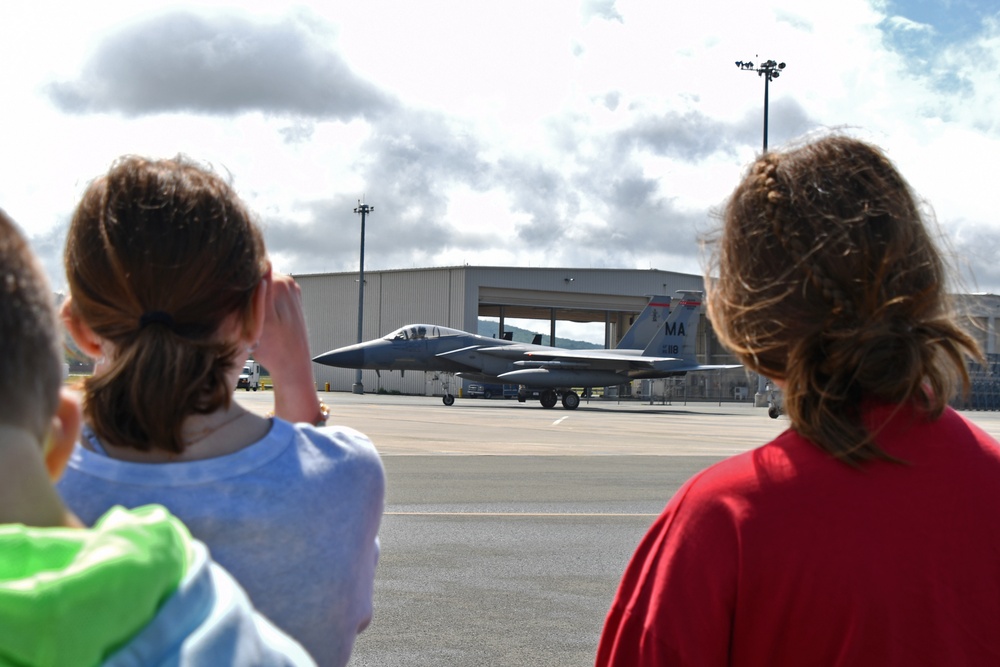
[39, 421]
[163, 263]
[829, 282]
[29, 338]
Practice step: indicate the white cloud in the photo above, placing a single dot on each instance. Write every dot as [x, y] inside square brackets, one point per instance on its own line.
[591, 133]
[906, 25]
[224, 64]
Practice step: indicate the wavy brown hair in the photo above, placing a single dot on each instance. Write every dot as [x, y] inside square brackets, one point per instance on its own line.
[829, 281]
[159, 254]
[29, 337]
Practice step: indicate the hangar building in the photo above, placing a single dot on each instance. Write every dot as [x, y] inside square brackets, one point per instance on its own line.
[983, 310]
[458, 296]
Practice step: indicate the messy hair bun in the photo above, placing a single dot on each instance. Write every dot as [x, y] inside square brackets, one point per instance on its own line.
[829, 282]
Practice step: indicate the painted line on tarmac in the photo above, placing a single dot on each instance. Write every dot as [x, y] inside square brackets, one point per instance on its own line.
[530, 514]
[560, 420]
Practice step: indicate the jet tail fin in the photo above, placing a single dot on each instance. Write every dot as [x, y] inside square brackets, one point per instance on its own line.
[646, 324]
[677, 336]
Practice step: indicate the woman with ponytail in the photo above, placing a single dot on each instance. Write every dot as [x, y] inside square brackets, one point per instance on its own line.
[865, 534]
[170, 290]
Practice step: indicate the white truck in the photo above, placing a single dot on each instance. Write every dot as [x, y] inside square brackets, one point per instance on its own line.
[249, 376]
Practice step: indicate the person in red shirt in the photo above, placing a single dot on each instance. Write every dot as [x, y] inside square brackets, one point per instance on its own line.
[865, 534]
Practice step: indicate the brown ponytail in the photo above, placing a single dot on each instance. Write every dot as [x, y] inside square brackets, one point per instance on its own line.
[829, 282]
[159, 255]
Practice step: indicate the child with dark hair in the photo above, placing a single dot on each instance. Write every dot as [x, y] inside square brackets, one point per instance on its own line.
[135, 588]
[170, 290]
[864, 534]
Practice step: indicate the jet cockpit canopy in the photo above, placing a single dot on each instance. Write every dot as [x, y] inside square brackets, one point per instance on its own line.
[422, 331]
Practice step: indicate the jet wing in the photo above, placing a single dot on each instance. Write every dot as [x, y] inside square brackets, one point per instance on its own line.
[485, 359]
[470, 357]
[598, 359]
[624, 360]
[460, 353]
[602, 355]
[595, 355]
[479, 355]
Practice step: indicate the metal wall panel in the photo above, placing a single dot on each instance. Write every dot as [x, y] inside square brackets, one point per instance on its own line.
[330, 302]
[569, 282]
[454, 296]
[392, 299]
[979, 313]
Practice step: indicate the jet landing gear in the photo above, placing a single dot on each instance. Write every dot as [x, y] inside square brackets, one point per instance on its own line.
[570, 400]
[549, 398]
[446, 378]
[775, 404]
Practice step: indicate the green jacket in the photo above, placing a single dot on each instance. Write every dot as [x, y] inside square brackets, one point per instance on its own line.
[73, 596]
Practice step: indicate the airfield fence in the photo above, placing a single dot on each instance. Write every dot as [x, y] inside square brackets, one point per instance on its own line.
[737, 386]
[984, 391]
[681, 396]
[725, 386]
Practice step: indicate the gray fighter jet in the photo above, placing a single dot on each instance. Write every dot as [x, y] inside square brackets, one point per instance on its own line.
[670, 350]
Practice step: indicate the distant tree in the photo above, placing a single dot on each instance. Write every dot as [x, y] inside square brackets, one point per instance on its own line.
[491, 329]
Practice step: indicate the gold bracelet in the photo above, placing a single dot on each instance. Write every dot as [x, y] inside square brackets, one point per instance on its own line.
[324, 414]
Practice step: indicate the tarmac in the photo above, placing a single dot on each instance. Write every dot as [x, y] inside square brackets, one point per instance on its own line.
[507, 526]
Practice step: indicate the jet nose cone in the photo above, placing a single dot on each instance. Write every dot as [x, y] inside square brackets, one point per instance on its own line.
[345, 357]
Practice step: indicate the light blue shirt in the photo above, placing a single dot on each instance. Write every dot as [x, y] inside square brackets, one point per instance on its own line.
[294, 517]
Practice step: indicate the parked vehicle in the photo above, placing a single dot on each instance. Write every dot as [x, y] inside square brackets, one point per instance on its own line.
[249, 377]
[488, 390]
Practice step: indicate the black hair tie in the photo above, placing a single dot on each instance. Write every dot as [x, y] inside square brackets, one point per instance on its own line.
[156, 317]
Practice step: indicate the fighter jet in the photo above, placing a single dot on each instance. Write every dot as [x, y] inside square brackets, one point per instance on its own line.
[557, 371]
[423, 347]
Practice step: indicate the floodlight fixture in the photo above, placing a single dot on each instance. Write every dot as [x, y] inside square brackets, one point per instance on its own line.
[770, 70]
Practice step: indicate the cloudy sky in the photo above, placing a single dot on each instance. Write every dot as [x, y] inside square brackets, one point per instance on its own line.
[584, 133]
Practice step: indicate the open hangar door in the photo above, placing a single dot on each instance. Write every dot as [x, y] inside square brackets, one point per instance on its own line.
[614, 311]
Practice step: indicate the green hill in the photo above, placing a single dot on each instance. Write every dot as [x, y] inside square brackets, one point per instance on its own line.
[490, 329]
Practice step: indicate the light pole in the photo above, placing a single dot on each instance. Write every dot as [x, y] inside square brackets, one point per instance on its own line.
[364, 210]
[769, 70]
